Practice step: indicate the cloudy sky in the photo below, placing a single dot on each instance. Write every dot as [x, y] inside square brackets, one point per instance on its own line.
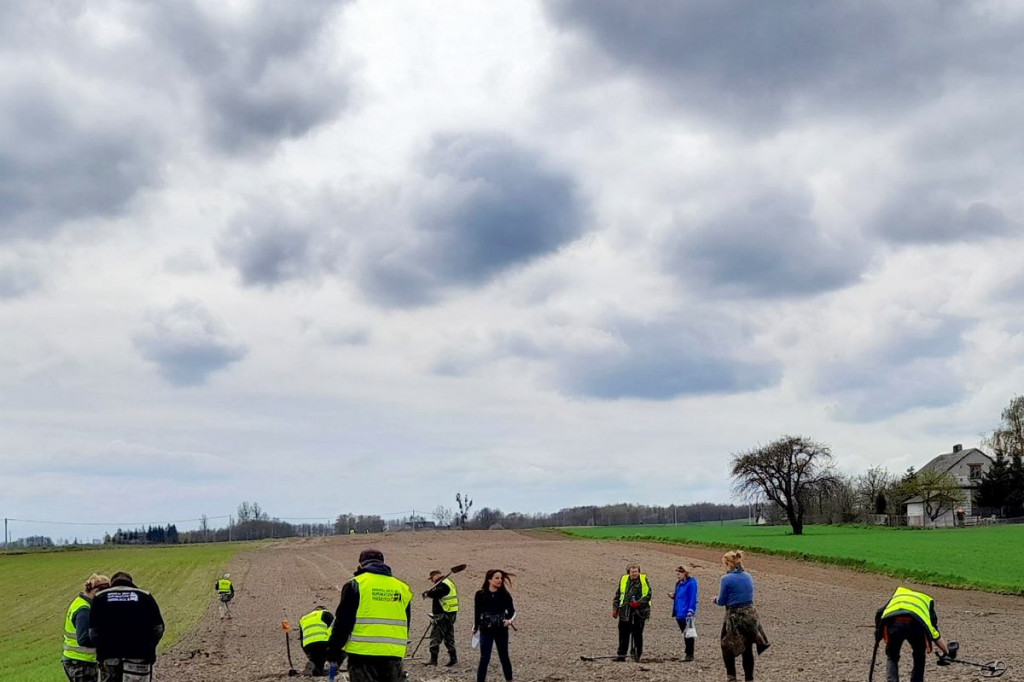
[356, 256]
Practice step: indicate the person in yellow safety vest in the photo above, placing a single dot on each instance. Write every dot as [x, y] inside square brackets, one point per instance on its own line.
[371, 625]
[79, 653]
[225, 592]
[632, 608]
[314, 633]
[909, 616]
[444, 610]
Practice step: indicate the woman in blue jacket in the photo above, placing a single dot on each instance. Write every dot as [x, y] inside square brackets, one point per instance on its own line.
[684, 606]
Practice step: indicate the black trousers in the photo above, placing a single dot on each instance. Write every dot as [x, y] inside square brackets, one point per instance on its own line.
[631, 628]
[901, 630]
[686, 640]
[375, 669]
[497, 637]
[317, 655]
[747, 657]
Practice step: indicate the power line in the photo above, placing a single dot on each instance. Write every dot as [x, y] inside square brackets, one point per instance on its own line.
[112, 523]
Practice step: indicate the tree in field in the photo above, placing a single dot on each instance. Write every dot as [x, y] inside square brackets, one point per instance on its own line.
[939, 490]
[443, 515]
[875, 482]
[462, 516]
[790, 472]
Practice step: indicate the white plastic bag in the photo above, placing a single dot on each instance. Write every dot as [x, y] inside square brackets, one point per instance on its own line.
[691, 630]
[475, 642]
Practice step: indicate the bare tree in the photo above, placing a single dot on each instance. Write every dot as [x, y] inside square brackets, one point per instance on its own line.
[443, 515]
[464, 506]
[874, 482]
[786, 471]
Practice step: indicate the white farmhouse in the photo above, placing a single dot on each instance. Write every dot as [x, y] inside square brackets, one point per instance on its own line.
[967, 467]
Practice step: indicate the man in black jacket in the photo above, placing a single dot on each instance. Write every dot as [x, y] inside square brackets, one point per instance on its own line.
[445, 609]
[126, 626]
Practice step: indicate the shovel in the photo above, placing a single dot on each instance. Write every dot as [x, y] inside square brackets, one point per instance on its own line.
[454, 569]
[286, 626]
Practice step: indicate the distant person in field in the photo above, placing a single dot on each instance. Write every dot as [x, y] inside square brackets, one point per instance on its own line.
[909, 616]
[125, 627]
[741, 630]
[443, 612]
[632, 607]
[493, 613]
[684, 608]
[371, 625]
[79, 651]
[225, 593]
[314, 633]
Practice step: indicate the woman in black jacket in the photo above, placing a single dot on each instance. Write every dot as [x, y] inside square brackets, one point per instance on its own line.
[493, 614]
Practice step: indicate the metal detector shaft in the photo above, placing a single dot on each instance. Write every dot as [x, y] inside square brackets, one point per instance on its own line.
[597, 658]
[429, 626]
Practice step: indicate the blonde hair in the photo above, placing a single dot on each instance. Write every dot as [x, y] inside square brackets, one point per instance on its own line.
[631, 567]
[97, 580]
[733, 559]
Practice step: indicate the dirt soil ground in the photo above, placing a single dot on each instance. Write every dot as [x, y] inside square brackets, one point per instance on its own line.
[820, 619]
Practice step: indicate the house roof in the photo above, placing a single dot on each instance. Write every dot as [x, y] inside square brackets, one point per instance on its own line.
[947, 461]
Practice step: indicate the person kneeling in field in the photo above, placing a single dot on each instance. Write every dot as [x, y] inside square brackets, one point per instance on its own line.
[79, 652]
[315, 632]
[909, 616]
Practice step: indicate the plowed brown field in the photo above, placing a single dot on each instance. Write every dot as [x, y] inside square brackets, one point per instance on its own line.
[820, 619]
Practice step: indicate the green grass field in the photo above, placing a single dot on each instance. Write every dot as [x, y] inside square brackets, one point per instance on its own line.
[36, 589]
[987, 558]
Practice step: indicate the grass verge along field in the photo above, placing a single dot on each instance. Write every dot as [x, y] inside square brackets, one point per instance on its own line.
[36, 589]
[989, 558]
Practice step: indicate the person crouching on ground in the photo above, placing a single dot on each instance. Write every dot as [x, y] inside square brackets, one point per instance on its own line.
[684, 608]
[632, 608]
[909, 616]
[225, 593]
[126, 626]
[314, 633]
[493, 613]
[79, 652]
[371, 625]
[444, 610]
[741, 630]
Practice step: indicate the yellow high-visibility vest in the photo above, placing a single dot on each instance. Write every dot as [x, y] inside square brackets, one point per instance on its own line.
[381, 627]
[313, 628]
[223, 586]
[71, 648]
[450, 602]
[645, 589]
[911, 603]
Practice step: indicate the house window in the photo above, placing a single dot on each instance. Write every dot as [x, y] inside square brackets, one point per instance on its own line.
[975, 474]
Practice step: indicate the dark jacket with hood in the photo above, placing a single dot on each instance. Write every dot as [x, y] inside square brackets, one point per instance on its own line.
[345, 616]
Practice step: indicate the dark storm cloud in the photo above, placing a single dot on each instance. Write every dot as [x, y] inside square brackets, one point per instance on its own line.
[665, 360]
[55, 167]
[267, 250]
[913, 369]
[262, 74]
[756, 63]
[919, 215]
[769, 246]
[499, 206]
[188, 344]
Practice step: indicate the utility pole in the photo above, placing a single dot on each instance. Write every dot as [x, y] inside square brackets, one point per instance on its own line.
[231, 522]
[7, 539]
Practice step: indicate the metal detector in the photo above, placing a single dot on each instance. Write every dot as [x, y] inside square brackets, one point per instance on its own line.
[286, 626]
[600, 658]
[987, 669]
[454, 569]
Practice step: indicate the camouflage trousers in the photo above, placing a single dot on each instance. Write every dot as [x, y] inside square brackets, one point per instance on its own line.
[125, 670]
[443, 630]
[81, 671]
